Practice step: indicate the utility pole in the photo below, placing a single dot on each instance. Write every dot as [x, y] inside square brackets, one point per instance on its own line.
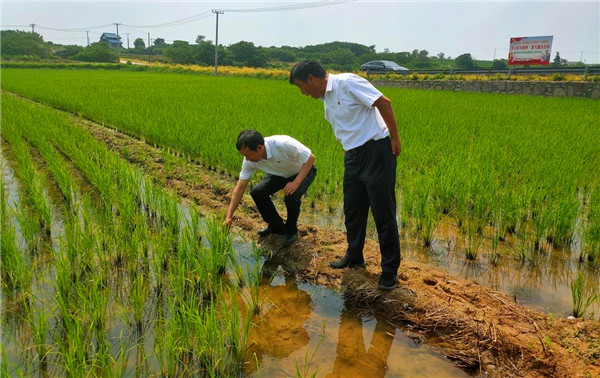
[217, 13]
[148, 48]
[581, 58]
[118, 43]
[32, 27]
[494, 53]
[87, 33]
[127, 41]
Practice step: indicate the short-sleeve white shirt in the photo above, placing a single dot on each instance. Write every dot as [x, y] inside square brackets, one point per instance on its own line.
[349, 109]
[285, 157]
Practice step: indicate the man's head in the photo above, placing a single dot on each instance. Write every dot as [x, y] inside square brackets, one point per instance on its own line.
[310, 77]
[251, 144]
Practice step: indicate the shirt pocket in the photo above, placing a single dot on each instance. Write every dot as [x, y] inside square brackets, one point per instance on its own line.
[344, 111]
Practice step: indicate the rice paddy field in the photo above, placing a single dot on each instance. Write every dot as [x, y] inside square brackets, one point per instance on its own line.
[105, 272]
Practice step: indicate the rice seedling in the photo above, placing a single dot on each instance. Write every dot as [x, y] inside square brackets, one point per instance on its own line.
[15, 268]
[32, 181]
[255, 276]
[221, 245]
[590, 250]
[583, 296]
[38, 322]
[499, 167]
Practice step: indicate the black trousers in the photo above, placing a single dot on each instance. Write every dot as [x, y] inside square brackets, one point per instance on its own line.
[270, 184]
[370, 181]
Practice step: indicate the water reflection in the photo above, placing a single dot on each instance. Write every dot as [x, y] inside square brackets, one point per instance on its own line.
[280, 330]
[354, 357]
[309, 331]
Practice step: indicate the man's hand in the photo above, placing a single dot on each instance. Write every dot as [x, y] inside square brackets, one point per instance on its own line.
[290, 188]
[227, 223]
[396, 146]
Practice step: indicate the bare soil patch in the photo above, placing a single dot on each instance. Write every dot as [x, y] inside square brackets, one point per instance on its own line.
[479, 328]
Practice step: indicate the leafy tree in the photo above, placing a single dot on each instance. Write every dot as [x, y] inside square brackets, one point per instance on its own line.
[500, 64]
[139, 44]
[440, 56]
[67, 51]
[159, 42]
[247, 54]
[97, 52]
[204, 53]
[15, 42]
[180, 52]
[259, 59]
[465, 61]
[200, 39]
[557, 60]
[342, 59]
[281, 54]
[402, 57]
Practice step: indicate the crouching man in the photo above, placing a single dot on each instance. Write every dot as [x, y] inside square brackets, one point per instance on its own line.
[288, 165]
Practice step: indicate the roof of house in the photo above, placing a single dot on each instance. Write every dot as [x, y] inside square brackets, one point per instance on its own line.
[112, 37]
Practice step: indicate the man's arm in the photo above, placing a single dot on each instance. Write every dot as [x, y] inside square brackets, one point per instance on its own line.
[292, 186]
[387, 113]
[236, 198]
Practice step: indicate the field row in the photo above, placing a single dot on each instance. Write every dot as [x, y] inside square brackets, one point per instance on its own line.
[96, 271]
[499, 165]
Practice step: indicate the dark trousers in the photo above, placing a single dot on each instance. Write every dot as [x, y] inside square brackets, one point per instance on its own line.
[370, 181]
[271, 184]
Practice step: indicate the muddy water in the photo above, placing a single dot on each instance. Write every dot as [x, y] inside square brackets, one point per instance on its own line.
[542, 284]
[302, 328]
[308, 329]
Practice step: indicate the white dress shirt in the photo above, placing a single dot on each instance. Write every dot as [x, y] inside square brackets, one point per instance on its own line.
[285, 157]
[349, 109]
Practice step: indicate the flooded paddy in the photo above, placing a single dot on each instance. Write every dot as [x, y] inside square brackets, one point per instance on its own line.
[300, 326]
[302, 329]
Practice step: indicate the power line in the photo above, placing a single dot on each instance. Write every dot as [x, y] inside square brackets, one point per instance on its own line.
[202, 15]
[76, 29]
[182, 21]
[315, 4]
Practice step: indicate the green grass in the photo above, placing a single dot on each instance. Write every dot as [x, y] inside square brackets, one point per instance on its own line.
[475, 157]
[100, 295]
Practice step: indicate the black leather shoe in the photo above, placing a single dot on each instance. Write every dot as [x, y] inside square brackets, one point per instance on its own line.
[388, 281]
[289, 239]
[346, 263]
[268, 231]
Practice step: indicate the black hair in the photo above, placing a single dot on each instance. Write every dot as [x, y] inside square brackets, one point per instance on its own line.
[307, 67]
[250, 139]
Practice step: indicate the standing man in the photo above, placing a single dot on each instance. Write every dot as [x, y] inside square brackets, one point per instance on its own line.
[363, 120]
[288, 165]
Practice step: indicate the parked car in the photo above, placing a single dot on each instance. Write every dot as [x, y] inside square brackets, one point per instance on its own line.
[383, 66]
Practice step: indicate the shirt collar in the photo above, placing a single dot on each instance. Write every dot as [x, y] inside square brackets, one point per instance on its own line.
[268, 148]
[329, 83]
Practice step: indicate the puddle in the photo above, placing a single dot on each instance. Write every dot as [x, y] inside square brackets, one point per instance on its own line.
[309, 330]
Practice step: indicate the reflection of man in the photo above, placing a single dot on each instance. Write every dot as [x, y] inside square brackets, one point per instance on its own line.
[353, 359]
[280, 330]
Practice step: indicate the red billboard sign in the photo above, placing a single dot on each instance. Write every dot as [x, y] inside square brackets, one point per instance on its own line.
[530, 50]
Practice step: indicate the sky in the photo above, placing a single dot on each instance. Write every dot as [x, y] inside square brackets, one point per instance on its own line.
[481, 28]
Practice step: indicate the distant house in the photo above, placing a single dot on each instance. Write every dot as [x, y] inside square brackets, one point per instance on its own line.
[112, 39]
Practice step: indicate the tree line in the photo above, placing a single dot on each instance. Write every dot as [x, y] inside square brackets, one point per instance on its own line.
[343, 56]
